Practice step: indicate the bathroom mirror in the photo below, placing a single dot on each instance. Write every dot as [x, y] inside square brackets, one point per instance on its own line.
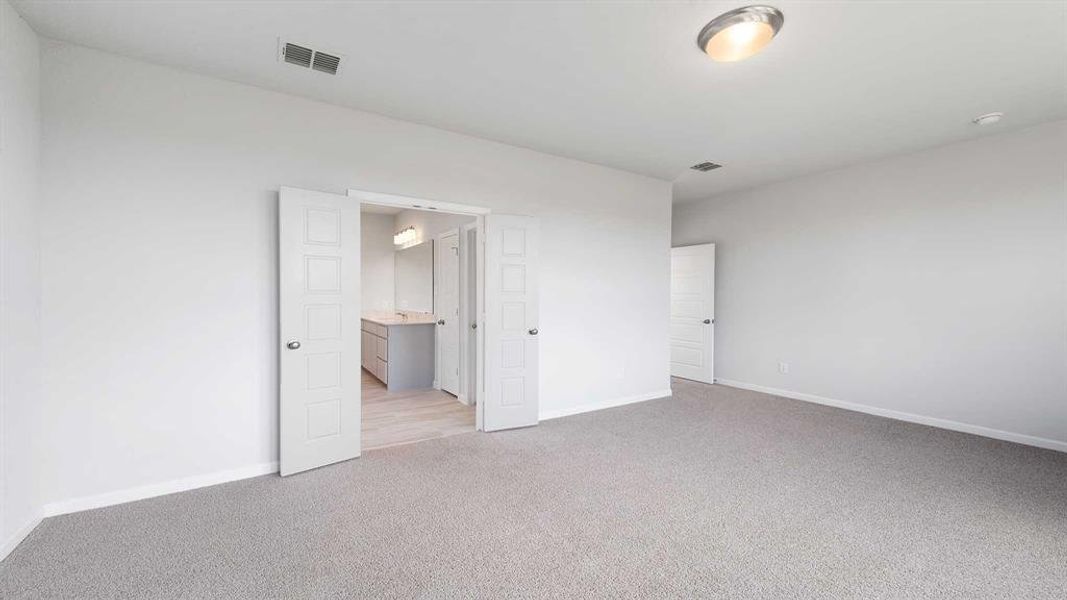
[414, 278]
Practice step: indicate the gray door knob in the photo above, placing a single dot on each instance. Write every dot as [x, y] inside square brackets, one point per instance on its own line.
[533, 331]
[293, 345]
[707, 321]
[441, 322]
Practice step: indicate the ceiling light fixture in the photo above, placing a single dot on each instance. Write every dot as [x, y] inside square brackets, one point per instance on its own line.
[988, 118]
[740, 33]
[706, 166]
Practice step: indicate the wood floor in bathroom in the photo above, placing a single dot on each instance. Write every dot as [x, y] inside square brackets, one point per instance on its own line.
[392, 418]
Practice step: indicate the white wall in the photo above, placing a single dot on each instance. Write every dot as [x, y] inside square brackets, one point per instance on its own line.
[159, 266]
[377, 270]
[933, 284]
[20, 290]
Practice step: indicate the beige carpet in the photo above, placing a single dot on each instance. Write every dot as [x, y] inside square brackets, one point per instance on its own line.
[713, 493]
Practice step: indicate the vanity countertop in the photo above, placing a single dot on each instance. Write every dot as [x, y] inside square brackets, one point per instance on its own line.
[391, 319]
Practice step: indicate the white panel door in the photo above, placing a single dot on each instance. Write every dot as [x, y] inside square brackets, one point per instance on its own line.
[446, 309]
[511, 322]
[693, 312]
[318, 279]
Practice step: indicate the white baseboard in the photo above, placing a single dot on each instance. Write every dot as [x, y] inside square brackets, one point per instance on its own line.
[566, 412]
[20, 534]
[156, 489]
[998, 434]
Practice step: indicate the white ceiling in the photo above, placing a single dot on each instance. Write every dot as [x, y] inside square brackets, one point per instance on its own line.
[623, 83]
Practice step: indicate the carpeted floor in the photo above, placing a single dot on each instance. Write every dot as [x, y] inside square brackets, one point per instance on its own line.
[715, 492]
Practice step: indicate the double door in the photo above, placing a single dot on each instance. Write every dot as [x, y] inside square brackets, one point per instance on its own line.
[319, 307]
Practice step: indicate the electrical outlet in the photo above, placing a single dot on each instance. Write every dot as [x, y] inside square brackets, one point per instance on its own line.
[783, 367]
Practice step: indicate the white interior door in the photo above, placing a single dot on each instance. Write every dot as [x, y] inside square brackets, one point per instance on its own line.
[446, 309]
[319, 279]
[693, 312]
[511, 313]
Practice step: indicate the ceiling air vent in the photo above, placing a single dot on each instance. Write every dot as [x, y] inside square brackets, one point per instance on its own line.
[327, 63]
[705, 166]
[302, 56]
[297, 55]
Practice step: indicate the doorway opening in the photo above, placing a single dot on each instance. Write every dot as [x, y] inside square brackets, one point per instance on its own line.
[418, 324]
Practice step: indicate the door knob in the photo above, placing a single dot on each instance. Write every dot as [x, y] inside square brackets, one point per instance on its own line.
[474, 326]
[441, 322]
[533, 331]
[707, 321]
[293, 345]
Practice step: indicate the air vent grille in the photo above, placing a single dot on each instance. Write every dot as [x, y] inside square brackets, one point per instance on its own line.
[309, 58]
[705, 166]
[327, 63]
[297, 55]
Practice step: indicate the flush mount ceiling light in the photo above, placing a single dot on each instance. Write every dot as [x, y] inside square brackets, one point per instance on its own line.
[988, 118]
[706, 166]
[740, 33]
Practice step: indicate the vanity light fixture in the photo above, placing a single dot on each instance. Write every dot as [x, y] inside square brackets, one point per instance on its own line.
[740, 33]
[404, 236]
